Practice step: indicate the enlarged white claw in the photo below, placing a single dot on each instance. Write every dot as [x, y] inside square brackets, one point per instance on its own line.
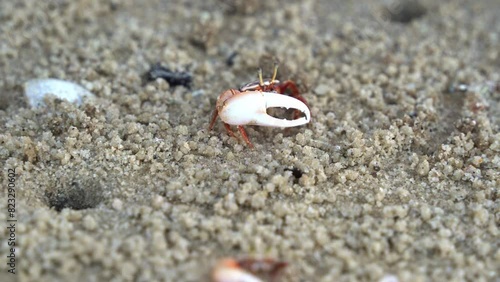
[274, 100]
[224, 273]
[250, 108]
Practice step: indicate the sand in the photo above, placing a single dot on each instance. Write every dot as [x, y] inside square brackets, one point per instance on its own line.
[397, 175]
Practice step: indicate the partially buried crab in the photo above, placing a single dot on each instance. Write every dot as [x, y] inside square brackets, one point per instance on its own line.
[248, 105]
[247, 269]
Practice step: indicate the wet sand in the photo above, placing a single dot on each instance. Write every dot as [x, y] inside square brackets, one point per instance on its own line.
[397, 173]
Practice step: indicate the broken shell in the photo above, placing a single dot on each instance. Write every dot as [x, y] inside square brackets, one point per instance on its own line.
[36, 89]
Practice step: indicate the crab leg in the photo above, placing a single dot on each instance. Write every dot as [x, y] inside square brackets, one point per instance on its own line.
[229, 130]
[214, 118]
[245, 136]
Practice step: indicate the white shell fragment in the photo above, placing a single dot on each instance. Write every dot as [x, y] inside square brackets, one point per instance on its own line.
[36, 89]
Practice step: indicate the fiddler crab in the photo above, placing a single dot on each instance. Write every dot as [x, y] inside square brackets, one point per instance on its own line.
[248, 105]
[246, 269]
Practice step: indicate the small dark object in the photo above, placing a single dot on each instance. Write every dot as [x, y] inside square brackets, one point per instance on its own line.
[75, 196]
[405, 11]
[230, 59]
[297, 173]
[466, 125]
[174, 78]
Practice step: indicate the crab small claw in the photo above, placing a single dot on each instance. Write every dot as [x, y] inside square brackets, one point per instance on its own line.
[251, 108]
